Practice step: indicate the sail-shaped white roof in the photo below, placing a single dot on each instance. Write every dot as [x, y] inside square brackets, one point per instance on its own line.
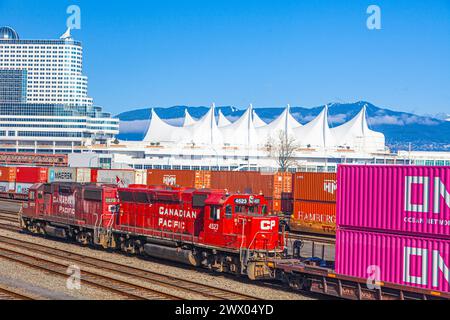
[188, 120]
[285, 123]
[160, 131]
[257, 121]
[355, 134]
[293, 123]
[223, 121]
[204, 131]
[315, 134]
[241, 132]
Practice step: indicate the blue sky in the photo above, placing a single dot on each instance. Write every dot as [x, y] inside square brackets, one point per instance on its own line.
[269, 53]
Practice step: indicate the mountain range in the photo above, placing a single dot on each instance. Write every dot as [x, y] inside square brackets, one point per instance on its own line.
[402, 129]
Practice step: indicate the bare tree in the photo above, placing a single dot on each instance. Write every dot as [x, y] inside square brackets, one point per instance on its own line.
[282, 149]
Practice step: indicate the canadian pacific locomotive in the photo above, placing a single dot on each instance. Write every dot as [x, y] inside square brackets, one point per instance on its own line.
[206, 228]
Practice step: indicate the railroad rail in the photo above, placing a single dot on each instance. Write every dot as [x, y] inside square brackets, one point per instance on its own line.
[312, 238]
[10, 227]
[299, 276]
[9, 294]
[171, 282]
[8, 217]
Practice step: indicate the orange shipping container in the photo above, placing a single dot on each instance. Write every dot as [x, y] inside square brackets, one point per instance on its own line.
[7, 174]
[315, 186]
[182, 178]
[282, 182]
[243, 182]
[314, 217]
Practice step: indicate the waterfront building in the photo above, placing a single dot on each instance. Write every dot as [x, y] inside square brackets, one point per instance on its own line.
[44, 104]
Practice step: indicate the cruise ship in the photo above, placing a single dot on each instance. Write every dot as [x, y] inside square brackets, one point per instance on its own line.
[44, 106]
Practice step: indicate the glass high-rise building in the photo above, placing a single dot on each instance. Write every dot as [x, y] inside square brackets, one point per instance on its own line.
[44, 105]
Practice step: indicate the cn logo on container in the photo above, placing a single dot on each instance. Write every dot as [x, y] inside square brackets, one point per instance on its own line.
[329, 186]
[425, 193]
[267, 224]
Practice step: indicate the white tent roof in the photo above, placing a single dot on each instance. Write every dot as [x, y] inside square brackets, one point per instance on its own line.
[257, 121]
[223, 121]
[188, 120]
[285, 123]
[293, 123]
[160, 131]
[240, 132]
[356, 134]
[204, 131]
[316, 133]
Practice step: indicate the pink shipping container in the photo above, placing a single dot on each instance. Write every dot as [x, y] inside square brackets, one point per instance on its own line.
[404, 260]
[410, 200]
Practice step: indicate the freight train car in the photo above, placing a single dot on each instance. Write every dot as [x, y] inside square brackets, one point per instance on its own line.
[393, 236]
[314, 208]
[208, 228]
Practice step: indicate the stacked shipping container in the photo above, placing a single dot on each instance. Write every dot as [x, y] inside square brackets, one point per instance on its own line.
[27, 176]
[17, 180]
[314, 203]
[394, 225]
[122, 178]
[7, 179]
[81, 175]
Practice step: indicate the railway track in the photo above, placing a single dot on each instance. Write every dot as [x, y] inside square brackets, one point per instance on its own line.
[9, 218]
[171, 282]
[124, 288]
[10, 200]
[8, 294]
[131, 272]
[312, 238]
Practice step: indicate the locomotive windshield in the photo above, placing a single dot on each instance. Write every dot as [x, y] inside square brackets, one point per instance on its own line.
[250, 210]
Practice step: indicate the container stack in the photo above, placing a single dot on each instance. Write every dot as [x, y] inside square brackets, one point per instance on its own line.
[27, 176]
[122, 178]
[7, 179]
[271, 185]
[394, 225]
[61, 174]
[314, 203]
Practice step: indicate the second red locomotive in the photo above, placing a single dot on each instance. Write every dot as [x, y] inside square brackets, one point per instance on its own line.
[208, 228]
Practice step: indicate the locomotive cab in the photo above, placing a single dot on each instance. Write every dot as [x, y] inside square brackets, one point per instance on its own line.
[240, 222]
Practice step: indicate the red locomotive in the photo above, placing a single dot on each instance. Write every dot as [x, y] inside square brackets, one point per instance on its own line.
[208, 228]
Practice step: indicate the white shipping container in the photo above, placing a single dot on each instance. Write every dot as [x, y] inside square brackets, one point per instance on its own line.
[23, 188]
[83, 175]
[122, 178]
[7, 186]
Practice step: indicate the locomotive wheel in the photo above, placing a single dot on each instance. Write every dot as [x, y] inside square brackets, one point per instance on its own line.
[32, 228]
[139, 247]
[130, 247]
[83, 238]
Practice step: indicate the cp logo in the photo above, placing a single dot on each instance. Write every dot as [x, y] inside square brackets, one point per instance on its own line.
[267, 224]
